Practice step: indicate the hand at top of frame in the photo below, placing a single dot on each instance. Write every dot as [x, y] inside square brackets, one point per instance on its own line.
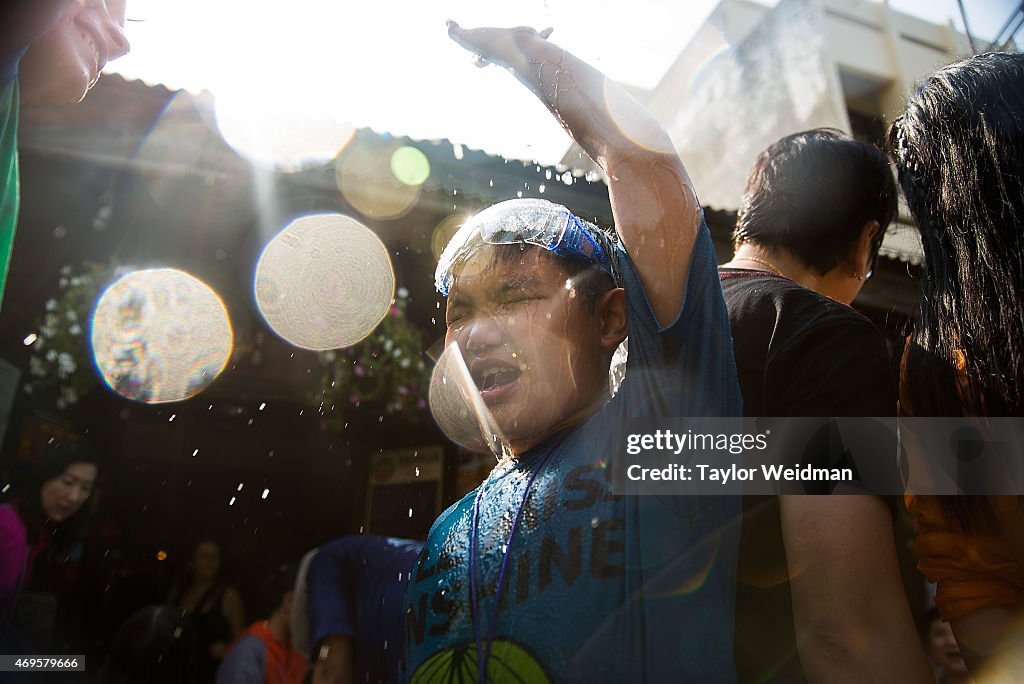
[491, 45]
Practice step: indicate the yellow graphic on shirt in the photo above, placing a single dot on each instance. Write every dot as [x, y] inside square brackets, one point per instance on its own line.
[508, 662]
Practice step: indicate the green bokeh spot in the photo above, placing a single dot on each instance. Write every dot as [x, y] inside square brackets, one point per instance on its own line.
[410, 166]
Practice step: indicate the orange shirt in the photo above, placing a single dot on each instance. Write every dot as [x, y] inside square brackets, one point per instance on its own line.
[971, 570]
[283, 665]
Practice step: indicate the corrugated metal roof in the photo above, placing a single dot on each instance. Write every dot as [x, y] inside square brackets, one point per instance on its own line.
[903, 243]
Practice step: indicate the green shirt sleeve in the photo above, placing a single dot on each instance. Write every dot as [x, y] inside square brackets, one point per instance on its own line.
[9, 188]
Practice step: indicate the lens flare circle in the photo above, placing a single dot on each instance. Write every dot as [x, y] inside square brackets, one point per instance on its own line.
[160, 335]
[410, 166]
[324, 282]
[366, 181]
[283, 133]
[443, 232]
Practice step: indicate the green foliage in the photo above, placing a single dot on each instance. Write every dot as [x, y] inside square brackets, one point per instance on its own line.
[385, 372]
[61, 361]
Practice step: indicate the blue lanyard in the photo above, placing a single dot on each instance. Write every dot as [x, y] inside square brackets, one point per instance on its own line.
[483, 649]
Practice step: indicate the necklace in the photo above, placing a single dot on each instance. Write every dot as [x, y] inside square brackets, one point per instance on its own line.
[483, 642]
[767, 264]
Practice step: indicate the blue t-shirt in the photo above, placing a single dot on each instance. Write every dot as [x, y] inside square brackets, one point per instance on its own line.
[598, 587]
[356, 588]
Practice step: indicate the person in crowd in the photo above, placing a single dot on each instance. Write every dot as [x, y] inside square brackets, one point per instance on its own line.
[264, 652]
[355, 609]
[51, 52]
[942, 650]
[815, 209]
[214, 606]
[959, 153]
[43, 511]
[156, 645]
[541, 573]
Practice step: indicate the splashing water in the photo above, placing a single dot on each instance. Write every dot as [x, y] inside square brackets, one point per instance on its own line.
[459, 410]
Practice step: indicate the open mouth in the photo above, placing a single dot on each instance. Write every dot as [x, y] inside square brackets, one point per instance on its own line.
[92, 40]
[95, 52]
[493, 377]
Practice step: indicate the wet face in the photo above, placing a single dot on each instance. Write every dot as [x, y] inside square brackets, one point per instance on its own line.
[206, 561]
[65, 494]
[943, 650]
[532, 347]
[66, 61]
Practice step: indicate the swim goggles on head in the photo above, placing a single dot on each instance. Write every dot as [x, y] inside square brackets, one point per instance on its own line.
[528, 221]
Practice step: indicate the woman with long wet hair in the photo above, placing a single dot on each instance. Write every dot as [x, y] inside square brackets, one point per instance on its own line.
[959, 153]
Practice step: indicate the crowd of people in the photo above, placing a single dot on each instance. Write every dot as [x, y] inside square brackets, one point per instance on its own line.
[543, 573]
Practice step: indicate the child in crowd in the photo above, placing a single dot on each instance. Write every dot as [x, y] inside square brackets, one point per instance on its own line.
[542, 574]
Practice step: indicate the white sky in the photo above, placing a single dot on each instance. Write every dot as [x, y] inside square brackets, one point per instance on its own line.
[390, 65]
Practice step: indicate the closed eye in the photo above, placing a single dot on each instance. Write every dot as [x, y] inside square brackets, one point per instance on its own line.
[516, 301]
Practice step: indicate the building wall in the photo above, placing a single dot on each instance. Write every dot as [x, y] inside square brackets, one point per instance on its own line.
[776, 80]
[752, 74]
